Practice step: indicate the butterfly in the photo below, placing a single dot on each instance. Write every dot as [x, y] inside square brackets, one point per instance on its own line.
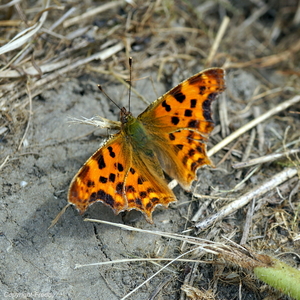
[127, 172]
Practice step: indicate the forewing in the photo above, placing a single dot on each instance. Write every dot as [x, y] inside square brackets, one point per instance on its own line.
[180, 121]
[102, 177]
[120, 180]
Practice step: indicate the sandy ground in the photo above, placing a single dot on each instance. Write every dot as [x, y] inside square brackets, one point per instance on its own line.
[38, 263]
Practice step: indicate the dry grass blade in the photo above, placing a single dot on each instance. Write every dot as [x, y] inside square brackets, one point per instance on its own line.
[91, 13]
[218, 39]
[24, 36]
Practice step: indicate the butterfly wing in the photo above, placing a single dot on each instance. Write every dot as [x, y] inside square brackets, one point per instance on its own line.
[120, 180]
[101, 178]
[180, 121]
[145, 186]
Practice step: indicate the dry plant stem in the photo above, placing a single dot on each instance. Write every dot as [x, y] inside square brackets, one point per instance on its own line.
[246, 198]
[91, 13]
[264, 159]
[250, 125]
[218, 39]
[4, 162]
[260, 131]
[201, 210]
[223, 113]
[294, 191]
[189, 279]
[159, 288]
[9, 4]
[29, 117]
[253, 17]
[247, 151]
[228, 153]
[129, 260]
[248, 223]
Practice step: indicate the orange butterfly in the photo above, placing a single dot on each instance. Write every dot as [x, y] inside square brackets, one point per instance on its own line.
[127, 171]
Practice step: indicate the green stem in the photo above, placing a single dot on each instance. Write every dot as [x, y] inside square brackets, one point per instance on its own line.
[280, 276]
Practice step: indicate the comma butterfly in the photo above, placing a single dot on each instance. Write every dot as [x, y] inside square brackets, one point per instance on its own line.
[127, 171]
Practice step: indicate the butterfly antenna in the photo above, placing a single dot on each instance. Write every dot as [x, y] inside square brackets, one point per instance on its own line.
[101, 89]
[130, 79]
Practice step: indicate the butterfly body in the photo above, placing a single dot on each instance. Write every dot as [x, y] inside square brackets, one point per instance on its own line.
[127, 172]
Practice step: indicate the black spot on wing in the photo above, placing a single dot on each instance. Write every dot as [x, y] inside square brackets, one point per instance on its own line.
[102, 179]
[192, 152]
[188, 113]
[212, 96]
[101, 162]
[193, 103]
[194, 124]
[166, 106]
[90, 183]
[130, 189]
[171, 137]
[179, 97]
[112, 177]
[154, 200]
[177, 94]
[202, 90]
[207, 115]
[194, 166]
[149, 205]
[119, 188]
[111, 152]
[93, 197]
[175, 120]
[107, 198]
[206, 104]
[138, 201]
[143, 195]
[199, 149]
[119, 167]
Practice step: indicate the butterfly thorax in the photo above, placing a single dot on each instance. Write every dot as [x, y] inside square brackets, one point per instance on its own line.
[135, 132]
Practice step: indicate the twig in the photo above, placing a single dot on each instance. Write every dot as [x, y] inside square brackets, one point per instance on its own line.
[4, 162]
[248, 223]
[264, 159]
[217, 40]
[247, 151]
[246, 198]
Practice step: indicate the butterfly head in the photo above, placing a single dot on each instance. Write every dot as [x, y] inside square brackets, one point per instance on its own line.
[125, 116]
